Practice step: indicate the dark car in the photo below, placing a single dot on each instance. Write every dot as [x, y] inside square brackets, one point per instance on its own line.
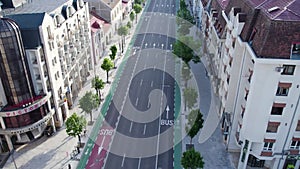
[49, 131]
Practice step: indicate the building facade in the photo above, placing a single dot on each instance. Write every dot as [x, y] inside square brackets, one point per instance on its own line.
[54, 41]
[253, 55]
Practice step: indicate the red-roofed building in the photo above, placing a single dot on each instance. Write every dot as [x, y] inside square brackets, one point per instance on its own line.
[100, 32]
[252, 53]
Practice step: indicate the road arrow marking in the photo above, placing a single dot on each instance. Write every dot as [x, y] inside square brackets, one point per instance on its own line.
[167, 109]
[100, 150]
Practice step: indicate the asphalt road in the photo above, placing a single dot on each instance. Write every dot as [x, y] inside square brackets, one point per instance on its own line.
[138, 128]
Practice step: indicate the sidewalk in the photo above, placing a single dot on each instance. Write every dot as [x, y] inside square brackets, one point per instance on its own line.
[55, 152]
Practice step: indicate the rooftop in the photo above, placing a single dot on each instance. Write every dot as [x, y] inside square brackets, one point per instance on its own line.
[111, 3]
[287, 10]
[34, 6]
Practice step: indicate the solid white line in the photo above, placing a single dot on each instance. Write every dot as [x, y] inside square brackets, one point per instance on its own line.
[141, 82]
[123, 160]
[139, 166]
[148, 104]
[102, 141]
[144, 129]
[130, 127]
[137, 101]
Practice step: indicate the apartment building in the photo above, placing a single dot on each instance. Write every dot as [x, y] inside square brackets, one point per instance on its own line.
[110, 11]
[253, 55]
[100, 30]
[45, 58]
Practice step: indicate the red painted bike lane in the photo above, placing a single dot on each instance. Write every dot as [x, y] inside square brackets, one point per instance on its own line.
[101, 146]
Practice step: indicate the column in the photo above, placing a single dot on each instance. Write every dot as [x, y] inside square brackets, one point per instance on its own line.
[9, 143]
[2, 123]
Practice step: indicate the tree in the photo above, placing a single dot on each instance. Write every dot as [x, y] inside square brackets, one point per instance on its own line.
[186, 74]
[88, 103]
[75, 125]
[195, 120]
[131, 16]
[187, 49]
[137, 9]
[128, 24]
[183, 51]
[192, 159]
[123, 31]
[98, 84]
[107, 65]
[190, 97]
[113, 50]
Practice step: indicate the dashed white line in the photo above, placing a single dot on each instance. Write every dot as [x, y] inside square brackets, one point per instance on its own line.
[145, 126]
[151, 83]
[123, 160]
[137, 101]
[141, 82]
[130, 128]
[139, 166]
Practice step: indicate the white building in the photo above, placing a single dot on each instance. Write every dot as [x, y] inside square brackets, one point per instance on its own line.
[56, 39]
[110, 11]
[253, 51]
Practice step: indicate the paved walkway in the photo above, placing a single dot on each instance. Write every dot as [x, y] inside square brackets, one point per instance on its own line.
[55, 152]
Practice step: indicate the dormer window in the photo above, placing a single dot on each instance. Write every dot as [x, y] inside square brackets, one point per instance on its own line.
[295, 50]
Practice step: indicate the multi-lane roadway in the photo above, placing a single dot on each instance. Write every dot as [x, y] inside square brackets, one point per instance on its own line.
[138, 130]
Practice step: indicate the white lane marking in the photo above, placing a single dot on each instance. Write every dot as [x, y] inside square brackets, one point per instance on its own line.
[130, 128]
[167, 110]
[145, 126]
[154, 45]
[141, 82]
[123, 160]
[146, 45]
[137, 101]
[100, 149]
[139, 166]
[154, 67]
[161, 102]
[151, 83]
[148, 103]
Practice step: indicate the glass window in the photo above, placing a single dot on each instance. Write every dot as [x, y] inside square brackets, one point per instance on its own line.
[268, 146]
[272, 127]
[288, 69]
[295, 145]
[276, 110]
[282, 91]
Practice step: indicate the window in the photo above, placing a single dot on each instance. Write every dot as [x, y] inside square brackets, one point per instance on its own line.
[288, 69]
[230, 60]
[228, 78]
[295, 145]
[296, 48]
[277, 108]
[298, 126]
[233, 42]
[268, 146]
[250, 75]
[246, 93]
[272, 127]
[282, 91]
